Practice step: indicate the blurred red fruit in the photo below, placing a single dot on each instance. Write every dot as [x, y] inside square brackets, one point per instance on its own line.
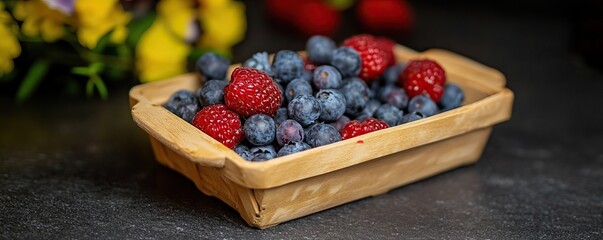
[385, 15]
[316, 18]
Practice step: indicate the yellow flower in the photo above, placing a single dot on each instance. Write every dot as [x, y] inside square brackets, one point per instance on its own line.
[39, 20]
[9, 46]
[223, 24]
[163, 50]
[97, 18]
[159, 53]
[93, 12]
[179, 16]
[211, 4]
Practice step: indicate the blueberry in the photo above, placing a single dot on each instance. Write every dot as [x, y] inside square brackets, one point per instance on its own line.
[304, 109]
[288, 65]
[320, 49]
[374, 89]
[371, 107]
[259, 129]
[183, 104]
[307, 129]
[389, 114]
[293, 147]
[393, 95]
[356, 96]
[361, 118]
[391, 74]
[347, 61]
[260, 62]
[262, 153]
[452, 98]
[283, 97]
[326, 76]
[211, 93]
[355, 84]
[243, 151]
[212, 66]
[423, 104]
[289, 131]
[412, 116]
[281, 116]
[307, 76]
[322, 134]
[297, 87]
[342, 121]
[332, 104]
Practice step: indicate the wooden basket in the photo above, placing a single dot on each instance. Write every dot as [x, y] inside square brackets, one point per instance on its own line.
[289, 187]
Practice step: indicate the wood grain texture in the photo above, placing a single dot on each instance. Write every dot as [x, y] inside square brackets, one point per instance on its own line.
[267, 193]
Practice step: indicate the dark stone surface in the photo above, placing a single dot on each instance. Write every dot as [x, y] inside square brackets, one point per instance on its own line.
[85, 170]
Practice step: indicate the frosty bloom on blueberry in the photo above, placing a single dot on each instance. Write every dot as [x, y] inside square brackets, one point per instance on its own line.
[304, 109]
[184, 104]
[212, 66]
[326, 76]
[259, 129]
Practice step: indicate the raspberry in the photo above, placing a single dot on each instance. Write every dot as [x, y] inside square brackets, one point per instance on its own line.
[220, 123]
[374, 59]
[388, 46]
[316, 18]
[251, 92]
[355, 128]
[423, 76]
[282, 10]
[385, 15]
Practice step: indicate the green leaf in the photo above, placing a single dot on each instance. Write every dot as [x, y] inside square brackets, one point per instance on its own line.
[100, 86]
[115, 74]
[32, 80]
[123, 51]
[84, 71]
[96, 67]
[102, 42]
[90, 87]
[137, 27]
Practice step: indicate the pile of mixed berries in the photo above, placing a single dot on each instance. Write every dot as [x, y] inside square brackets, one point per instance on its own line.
[271, 109]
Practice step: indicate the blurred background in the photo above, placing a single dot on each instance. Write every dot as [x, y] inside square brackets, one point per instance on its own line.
[80, 49]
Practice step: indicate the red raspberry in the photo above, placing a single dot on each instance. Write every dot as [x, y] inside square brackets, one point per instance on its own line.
[385, 15]
[388, 46]
[423, 76]
[355, 128]
[316, 18]
[374, 59]
[251, 92]
[220, 123]
[282, 10]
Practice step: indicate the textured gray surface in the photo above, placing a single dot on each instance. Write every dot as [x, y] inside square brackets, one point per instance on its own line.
[87, 171]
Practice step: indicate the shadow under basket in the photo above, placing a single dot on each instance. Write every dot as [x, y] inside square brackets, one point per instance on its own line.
[289, 187]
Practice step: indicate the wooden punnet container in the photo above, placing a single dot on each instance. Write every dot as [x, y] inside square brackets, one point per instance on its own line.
[289, 187]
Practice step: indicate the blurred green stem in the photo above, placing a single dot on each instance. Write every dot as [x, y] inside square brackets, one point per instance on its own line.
[32, 80]
[93, 71]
